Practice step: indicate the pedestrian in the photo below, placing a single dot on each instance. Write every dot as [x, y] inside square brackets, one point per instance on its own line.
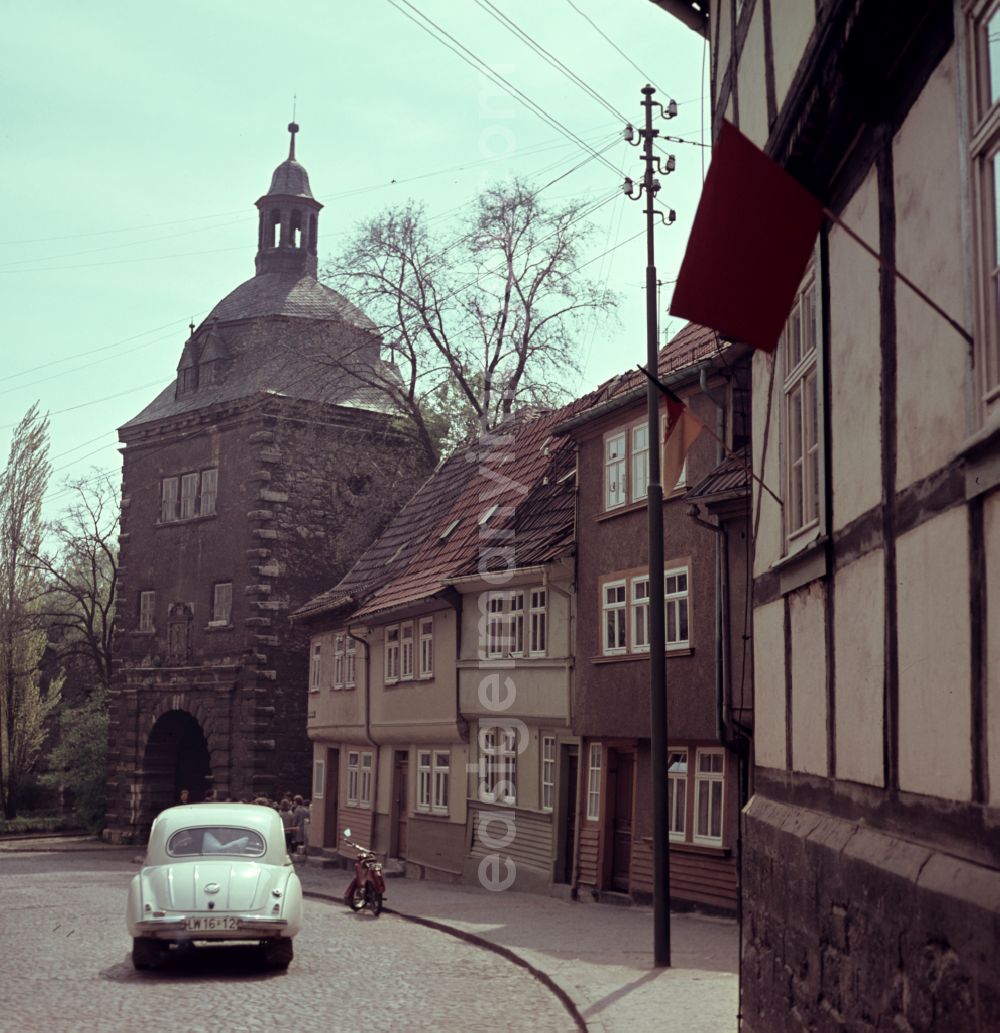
[185, 797]
[301, 813]
[209, 796]
[288, 821]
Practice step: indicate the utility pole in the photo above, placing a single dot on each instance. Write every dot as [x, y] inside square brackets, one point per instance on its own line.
[658, 719]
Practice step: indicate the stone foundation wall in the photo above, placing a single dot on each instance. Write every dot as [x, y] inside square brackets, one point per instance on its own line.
[849, 928]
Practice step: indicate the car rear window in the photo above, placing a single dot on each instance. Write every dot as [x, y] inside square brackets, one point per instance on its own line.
[216, 839]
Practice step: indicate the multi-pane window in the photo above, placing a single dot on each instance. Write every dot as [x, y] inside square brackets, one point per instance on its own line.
[147, 607]
[188, 496]
[708, 786]
[209, 491]
[548, 771]
[801, 413]
[495, 624]
[168, 499]
[350, 662]
[316, 668]
[536, 643]
[640, 614]
[442, 776]
[365, 799]
[640, 461]
[392, 653]
[594, 782]
[614, 470]
[222, 603]
[515, 623]
[406, 651]
[675, 607]
[426, 647]
[677, 774]
[338, 661]
[614, 614]
[984, 36]
[423, 780]
[497, 764]
[319, 779]
[353, 772]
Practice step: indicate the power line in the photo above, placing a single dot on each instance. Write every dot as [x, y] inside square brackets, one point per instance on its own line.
[480, 66]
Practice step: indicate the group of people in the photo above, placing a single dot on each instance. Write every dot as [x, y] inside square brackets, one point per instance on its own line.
[295, 813]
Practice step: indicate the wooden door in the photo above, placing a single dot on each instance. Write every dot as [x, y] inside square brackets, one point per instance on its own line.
[620, 769]
[330, 802]
[401, 801]
[570, 805]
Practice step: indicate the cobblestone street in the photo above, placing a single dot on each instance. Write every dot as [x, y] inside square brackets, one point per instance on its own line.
[65, 965]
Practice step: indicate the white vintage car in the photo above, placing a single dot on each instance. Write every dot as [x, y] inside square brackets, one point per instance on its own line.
[214, 872]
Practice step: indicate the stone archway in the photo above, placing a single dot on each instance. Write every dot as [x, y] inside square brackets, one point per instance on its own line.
[176, 757]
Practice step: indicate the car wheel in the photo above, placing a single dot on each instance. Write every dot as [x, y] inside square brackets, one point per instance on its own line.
[278, 953]
[145, 952]
[357, 901]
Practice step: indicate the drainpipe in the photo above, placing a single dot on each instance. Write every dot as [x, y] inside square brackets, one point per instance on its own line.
[368, 724]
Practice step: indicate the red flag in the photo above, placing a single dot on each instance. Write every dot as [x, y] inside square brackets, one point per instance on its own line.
[751, 240]
[681, 430]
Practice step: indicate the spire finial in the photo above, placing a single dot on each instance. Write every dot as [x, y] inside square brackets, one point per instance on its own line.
[293, 128]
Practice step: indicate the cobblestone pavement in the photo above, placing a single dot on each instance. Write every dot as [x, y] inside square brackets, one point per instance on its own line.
[65, 967]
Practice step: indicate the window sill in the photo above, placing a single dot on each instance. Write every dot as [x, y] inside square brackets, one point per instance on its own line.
[185, 520]
[808, 562]
[685, 846]
[218, 626]
[638, 506]
[441, 816]
[620, 657]
[144, 631]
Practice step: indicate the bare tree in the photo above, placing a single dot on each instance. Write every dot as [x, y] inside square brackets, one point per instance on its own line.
[479, 326]
[80, 578]
[23, 707]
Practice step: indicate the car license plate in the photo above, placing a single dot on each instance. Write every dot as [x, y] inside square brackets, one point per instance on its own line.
[211, 923]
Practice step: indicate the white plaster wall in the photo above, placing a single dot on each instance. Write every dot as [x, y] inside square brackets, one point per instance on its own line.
[991, 533]
[931, 356]
[809, 711]
[719, 19]
[769, 684]
[856, 368]
[751, 82]
[932, 577]
[769, 540]
[859, 647]
[792, 23]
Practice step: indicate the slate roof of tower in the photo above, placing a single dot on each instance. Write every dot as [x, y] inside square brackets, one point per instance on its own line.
[276, 294]
[290, 178]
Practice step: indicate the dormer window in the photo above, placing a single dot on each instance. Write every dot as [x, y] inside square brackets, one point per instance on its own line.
[187, 380]
[447, 531]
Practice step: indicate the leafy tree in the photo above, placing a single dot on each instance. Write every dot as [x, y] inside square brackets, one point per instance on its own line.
[78, 764]
[477, 327]
[23, 705]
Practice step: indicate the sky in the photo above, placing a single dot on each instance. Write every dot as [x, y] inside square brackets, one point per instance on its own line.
[136, 138]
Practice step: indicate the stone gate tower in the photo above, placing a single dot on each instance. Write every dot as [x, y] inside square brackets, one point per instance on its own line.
[249, 484]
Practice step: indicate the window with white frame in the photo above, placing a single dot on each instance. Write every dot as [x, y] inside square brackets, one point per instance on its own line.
[548, 772]
[497, 764]
[338, 661]
[147, 609]
[319, 779]
[423, 780]
[495, 624]
[614, 470]
[801, 413]
[708, 785]
[515, 623]
[222, 603]
[640, 614]
[350, 662]
[316, 667]
[353, 777]
[442, 777]
[640, 462]
[392, 653]
[537, 623]
[209, 492]
[426, 647]
[189, 495]
[365, 799]
[168, 499]
[677, 775]
[406, 651]
[675, 607]
[614, 614]
[594, 782]
[983, 29]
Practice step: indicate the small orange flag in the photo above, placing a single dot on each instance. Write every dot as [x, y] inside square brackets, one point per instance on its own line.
[681, 430]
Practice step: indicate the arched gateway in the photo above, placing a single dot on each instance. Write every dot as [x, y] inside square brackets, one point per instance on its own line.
[176, 758]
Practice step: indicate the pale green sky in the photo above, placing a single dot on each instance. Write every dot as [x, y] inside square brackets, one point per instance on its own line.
[137, 136]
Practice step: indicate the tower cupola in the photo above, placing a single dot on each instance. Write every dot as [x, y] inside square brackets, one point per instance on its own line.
[288, 220]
